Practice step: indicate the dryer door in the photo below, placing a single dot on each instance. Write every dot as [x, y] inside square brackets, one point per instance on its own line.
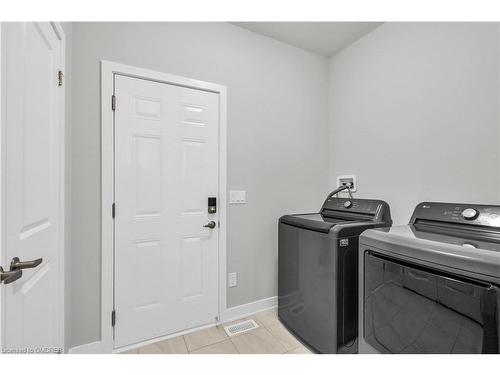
[413, 309]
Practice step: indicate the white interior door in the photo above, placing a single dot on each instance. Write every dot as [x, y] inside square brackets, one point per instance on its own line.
[166, 168]
[32, 307]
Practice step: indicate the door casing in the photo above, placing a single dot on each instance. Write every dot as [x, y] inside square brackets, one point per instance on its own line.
[108, 70]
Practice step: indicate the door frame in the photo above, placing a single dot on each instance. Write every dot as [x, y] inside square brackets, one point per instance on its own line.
[108, 70]
[59, 32]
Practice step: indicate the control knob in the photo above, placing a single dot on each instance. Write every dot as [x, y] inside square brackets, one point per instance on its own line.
[470, 213]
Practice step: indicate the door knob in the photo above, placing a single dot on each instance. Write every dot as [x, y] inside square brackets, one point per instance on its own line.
[7, 277]
[210, 225]
[16, 264]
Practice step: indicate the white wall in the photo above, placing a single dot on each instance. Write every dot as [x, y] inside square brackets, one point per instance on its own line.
[414, 113]
[277, 141]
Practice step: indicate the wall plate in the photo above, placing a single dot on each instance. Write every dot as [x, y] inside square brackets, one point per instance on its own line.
[348, 178]
[232, 279]
[237, 197]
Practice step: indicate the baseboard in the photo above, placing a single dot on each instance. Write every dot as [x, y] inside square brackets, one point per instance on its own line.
[231, 313]
[242, 311]
[90, 348]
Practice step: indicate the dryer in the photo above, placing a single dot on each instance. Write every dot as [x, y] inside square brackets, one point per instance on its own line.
[432, 286]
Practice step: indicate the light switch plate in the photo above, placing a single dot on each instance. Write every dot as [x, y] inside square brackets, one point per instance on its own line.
[232, 279]
[237, 197]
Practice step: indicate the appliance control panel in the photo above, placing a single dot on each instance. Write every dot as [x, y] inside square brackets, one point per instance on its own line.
[470, 214]
[362, 206]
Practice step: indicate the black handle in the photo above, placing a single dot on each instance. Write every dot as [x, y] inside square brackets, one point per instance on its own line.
[16, 264]
[211, 225]
[8, 277]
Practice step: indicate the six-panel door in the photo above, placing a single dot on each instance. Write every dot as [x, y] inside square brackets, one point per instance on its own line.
[166, 167]
[32, 307]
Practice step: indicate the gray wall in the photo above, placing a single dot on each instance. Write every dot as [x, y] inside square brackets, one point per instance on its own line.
[277, 141]
[414, 113]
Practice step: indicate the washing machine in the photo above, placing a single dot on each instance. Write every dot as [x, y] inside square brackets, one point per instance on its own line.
[432, 286]
[317, 271]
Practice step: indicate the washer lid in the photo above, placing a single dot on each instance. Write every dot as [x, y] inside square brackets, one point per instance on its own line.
[316, 222]
[464, 252]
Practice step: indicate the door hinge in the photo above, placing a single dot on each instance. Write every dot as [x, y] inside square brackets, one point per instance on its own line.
[60, 76]
[113, 318]
[113, 102]
[113, 210]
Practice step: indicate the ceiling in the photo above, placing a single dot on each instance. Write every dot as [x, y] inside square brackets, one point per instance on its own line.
[324, 38]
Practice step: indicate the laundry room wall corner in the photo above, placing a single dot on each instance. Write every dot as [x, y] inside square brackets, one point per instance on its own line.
[420, 104]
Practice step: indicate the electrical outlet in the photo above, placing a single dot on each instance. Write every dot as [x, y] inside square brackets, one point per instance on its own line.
[348, 179]
[232, 279]
[237, 197]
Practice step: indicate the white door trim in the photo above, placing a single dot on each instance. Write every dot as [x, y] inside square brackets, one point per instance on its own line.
[58, 30]
[108, 70]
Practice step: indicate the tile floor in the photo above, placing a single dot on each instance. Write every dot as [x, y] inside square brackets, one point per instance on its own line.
[270, 338]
